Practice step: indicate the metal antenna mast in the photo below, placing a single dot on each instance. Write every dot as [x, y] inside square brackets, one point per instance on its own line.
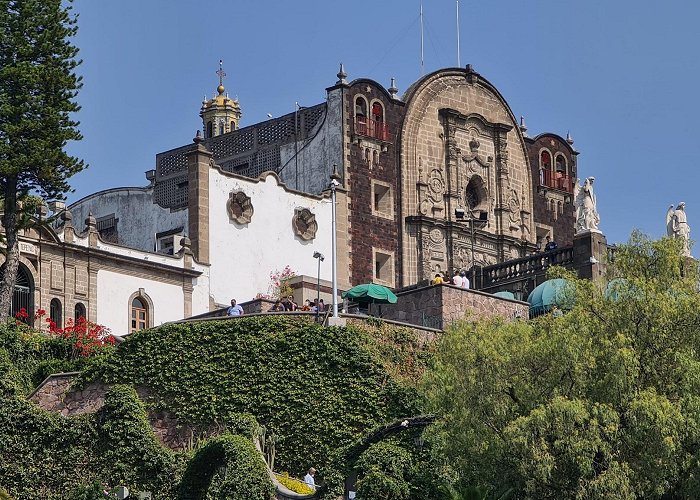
[459, 64]
[422, 64]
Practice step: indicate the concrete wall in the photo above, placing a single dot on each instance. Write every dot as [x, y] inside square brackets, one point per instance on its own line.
[439, 306]
[114, 308]
[242, 256]
[310, 171]
[139, 218]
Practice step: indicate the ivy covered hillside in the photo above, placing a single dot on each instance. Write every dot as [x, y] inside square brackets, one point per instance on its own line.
[310, 394]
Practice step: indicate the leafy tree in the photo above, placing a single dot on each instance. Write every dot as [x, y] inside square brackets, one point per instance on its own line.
[38, 85]
[603, 402]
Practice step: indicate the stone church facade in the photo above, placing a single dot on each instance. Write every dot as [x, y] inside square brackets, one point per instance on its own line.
[441, 179]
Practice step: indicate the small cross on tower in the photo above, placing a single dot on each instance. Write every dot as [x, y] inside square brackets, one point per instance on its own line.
[221, 74]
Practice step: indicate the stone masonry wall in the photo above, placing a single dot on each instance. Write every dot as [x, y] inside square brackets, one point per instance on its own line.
[368, 229]
[55, 394]
[439, 306]
[562, 224]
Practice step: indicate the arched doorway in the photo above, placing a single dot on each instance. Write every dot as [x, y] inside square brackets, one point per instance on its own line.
[23, 295]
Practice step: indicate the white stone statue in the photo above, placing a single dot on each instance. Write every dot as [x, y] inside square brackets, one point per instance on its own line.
[587, 218]
[677, 226]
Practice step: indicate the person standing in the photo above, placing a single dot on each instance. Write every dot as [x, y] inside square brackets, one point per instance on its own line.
[437, 280]
[235, 309]
[309, 478]
[457, 279]
[465, 280]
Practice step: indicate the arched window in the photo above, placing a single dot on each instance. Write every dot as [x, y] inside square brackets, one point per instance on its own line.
[375, 158]
[221, 128]
[545, 160]
[368, 158]
[377, 112]
[23, 296]
[560, 164]
[210, 129]
[139, 314]
[233, 126]
[475, 194]
[56, 312]
[360, 107]
[79, 311]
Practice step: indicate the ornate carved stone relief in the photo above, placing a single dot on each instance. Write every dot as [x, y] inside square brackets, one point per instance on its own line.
[240, 207]
[304, 224]
[431, 194]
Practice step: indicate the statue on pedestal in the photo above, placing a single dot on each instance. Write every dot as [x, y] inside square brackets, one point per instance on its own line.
[587, 218]
[677, 226]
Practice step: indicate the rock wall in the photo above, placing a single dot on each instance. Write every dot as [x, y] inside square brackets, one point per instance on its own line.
[439, 306]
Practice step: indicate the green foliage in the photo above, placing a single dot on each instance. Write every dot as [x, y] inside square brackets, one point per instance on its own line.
[381, 471]
[600, 403]
[126, 445]
[317, 389]
[38, 85]
[27, 351]
[235, 464]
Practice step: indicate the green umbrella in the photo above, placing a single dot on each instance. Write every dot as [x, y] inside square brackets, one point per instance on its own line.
[370, 293]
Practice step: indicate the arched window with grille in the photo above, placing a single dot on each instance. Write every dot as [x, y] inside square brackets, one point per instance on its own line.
[139, 314]
[79, 311]
[23, 296]
[56, 313]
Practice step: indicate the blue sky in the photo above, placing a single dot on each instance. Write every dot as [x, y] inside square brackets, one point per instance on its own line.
[620, 75]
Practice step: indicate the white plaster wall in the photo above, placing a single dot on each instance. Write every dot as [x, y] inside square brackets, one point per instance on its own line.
[139, 218]
[242, 256]
[114, 309]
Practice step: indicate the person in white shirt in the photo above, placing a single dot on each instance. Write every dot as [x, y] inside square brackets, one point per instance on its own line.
[457, 279]
[465, 280]
[309, 478]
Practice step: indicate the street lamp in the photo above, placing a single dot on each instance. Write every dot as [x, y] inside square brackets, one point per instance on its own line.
[335, 182]
[321, 258]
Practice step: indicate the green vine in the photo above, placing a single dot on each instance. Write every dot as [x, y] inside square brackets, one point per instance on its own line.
[316, 389]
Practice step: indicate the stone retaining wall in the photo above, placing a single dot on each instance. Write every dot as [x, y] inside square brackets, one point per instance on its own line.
[439, 306]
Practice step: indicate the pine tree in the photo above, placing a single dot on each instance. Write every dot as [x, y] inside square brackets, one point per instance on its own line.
[38, 86]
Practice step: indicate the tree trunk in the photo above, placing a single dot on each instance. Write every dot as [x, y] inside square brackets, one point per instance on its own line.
[9, 270]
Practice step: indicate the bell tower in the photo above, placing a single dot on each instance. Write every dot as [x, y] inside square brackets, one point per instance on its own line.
[220, 114]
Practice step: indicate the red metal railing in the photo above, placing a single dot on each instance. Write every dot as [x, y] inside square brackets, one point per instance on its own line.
[556, 180]
[371, 128]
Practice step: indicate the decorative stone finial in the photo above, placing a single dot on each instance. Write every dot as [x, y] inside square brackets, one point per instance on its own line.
[393, 90]
[523, 127]
[91, 222]
[569, 139]
[186, 245]
[342, 75]
[198, 137]
[66, 216]
[335, 176]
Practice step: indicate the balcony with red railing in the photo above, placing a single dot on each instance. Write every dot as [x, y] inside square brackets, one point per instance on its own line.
[372, 128]
[556, 180]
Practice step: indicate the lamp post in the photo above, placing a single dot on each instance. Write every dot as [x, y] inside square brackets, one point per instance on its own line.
[335, 182]
[321, 258]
